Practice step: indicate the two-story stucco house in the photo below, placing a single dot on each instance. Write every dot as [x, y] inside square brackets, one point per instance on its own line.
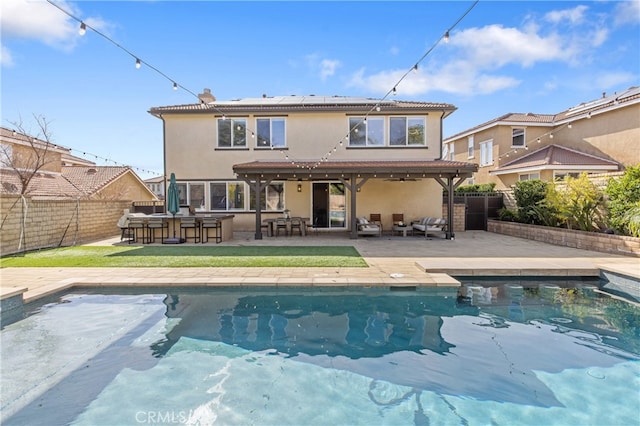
[327, 158]
[594, 137]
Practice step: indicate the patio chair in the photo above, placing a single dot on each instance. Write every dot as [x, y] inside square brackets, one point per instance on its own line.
[296, 223]
[155, 223]
[398, 218]
[367, 228]
[281, 223]
[136, 227]
[209, 223]
[187, 223]
[376, 218]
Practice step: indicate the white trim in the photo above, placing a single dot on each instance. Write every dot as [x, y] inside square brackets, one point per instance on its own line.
[585, 168]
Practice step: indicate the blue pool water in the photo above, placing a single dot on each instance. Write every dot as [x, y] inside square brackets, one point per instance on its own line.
[533, 353]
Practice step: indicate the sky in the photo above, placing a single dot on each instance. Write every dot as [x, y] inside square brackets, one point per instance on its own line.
[501, 56]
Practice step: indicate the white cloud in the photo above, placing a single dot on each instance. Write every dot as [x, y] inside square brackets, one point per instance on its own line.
[6, 59]
[627, 12]
[324, 67]
[573, 16]
[494, 45]
[614, 79]
[42, 22]
[328, 68]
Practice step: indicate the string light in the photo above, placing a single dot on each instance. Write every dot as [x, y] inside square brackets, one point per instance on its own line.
[414, 68]
[83, 29]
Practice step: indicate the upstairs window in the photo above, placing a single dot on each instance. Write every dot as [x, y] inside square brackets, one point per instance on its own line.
[486, 153]
[232, 133]
[271, 132]
[407, 131]
[452, 151]
[471, 147]
[517, 139]
[366, 132]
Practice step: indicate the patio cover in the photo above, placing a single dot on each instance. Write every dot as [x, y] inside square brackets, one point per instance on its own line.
[354, 174]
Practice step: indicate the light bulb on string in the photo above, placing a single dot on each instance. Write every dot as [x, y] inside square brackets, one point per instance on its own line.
[83, 28]
[446, 37]
[138, 64]
[175, 86]
[415, 68]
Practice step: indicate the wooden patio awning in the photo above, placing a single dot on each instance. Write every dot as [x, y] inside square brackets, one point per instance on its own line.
[354, 174]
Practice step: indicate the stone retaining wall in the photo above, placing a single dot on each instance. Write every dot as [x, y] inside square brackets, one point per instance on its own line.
[54, 223]
[594, 241]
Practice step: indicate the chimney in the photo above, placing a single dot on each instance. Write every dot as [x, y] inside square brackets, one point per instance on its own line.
[604, 95]
[206, 96]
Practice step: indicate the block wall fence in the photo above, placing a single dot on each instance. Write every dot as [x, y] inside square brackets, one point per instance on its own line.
[594, 241]
[55, 223]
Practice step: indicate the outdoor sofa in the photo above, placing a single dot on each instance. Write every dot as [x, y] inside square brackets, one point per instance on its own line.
[430, 225]
[365, 227]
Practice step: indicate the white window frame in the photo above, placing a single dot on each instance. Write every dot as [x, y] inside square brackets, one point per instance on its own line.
[486, 153]
[234, 122]
[560, 175]
[268, 142]
[408, 125]
[360, 124]
[529, 176]
[470, 147]
[517, 134]
[452, 151]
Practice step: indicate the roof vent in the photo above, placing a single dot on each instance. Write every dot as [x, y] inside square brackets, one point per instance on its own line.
[91, 171]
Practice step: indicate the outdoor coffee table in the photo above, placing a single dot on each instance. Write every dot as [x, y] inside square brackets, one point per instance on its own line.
[403, 229]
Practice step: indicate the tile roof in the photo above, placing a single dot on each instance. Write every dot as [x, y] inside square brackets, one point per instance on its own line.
[557, 157]
[616, 100]
[72, 182]
[90, 180]
[310, 103]
[41, 185]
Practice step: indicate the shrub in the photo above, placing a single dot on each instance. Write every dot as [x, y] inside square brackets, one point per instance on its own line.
[623, 194]
[507, 215]
[488, 188]
[579, 203]
[530, 197]
[632, 220]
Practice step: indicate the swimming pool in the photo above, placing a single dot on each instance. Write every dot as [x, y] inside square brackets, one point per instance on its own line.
[526, 353]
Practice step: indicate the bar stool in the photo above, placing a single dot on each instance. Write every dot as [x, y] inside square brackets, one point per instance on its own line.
[136, 224]
[187, 223]
[209, 223]
[155, 223]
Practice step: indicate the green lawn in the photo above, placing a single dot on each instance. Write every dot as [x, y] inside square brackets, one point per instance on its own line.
[188, 256]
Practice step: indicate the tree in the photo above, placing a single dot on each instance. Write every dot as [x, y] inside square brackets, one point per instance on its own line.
[29, 155]
[25, 159]
[623, 198]
[530, 198]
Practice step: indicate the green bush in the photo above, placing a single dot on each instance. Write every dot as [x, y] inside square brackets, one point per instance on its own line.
[488, 188]
[632, 220]
[530, 198]
[580, 203]
[623, 195]
[507, 215]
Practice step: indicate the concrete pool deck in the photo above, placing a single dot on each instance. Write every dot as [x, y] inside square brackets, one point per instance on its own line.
[392, 260]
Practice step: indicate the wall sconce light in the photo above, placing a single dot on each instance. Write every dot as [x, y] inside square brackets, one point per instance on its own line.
[299, 188]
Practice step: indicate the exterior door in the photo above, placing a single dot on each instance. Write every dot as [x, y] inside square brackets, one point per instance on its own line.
[329, 205]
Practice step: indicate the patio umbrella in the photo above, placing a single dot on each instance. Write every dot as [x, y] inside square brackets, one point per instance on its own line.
[173, 204]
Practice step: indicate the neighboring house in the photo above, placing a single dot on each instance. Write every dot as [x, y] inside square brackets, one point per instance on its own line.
[156, 185]
[63, 175]
[328, 158]
[594, 137]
